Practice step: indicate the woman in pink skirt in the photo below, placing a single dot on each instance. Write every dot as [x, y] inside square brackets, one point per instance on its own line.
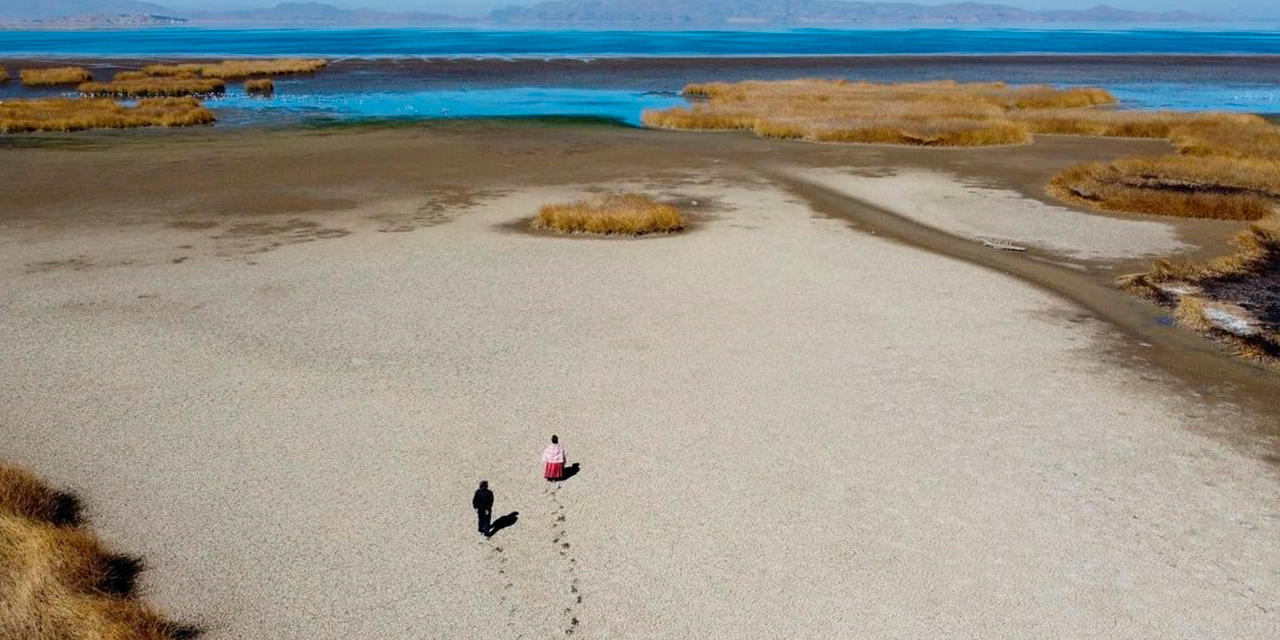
[553, 460]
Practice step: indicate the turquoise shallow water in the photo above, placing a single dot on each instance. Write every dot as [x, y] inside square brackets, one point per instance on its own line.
[435, 73]
[619, 105]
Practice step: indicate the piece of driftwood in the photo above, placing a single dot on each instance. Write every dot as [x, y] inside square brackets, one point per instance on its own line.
[1003, 245]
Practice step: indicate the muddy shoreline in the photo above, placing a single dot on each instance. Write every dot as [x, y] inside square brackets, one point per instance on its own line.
[1197, 364]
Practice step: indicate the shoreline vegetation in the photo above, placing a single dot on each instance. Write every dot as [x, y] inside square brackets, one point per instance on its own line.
[931, 114]
[1234, 298]
[54, 76]
[260, 87]
[1224, 167]
[131, 86]
[616, 214]
[78, 114]
[58, 580]
[167, 94]
[237, 69]
[4, 74]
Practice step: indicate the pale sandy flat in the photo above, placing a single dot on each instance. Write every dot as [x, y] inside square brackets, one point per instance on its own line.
[785, 428]
[972, 209]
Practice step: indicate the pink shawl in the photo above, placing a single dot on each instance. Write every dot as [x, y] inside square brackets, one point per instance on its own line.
[553, 453]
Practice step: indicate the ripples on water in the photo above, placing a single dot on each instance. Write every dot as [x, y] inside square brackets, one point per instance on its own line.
[446, 42]
[479, 73]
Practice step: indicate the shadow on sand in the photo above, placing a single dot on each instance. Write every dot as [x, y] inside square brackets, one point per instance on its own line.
[503, 522]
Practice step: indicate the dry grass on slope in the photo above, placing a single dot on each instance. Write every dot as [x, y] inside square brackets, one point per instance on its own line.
[57, 580]
[4, 74]
[627, 214]
[66, 114]
[55, 76]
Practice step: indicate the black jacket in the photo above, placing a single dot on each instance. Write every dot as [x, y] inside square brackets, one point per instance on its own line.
[483, 500]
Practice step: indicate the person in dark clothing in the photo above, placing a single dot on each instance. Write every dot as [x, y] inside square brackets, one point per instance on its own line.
[483, 504]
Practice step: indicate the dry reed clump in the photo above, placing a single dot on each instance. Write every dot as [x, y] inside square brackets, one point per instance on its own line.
[625, 214]
[1189, 313]
[160, 86]
[1230, 136]
[55, 76]
[57, 581]
[67, 114]
[1227, 166]
[4, 74]
[236, 69]
[260, 87]
[945, 113]
[191, 68]
[25, 495]
[1252, 248]
[1189, 287]
[1181, 186]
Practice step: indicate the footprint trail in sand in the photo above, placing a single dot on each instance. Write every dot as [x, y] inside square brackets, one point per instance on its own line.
[560, 541]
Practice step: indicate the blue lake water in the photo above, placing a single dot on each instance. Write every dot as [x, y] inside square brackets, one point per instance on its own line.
[622, 106]
[433, 73]
[180, 41]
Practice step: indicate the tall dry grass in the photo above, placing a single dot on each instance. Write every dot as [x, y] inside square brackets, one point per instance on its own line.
[1251, 248]
[920, 114]
[260, 87]
[622, 214]
[23, 494]
[1232, 136]
[1183, 186]
[68, 114]
[236, 69]
[1188, 287]
[160, 86]
[4, 74]
[58, 581]
[1227, 166]
[55, 76]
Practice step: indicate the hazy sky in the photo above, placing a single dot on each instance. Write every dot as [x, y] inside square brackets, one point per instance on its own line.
[1227, 8]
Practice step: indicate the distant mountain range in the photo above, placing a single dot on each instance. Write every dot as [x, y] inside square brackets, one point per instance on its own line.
[777, 12]
[617, 13]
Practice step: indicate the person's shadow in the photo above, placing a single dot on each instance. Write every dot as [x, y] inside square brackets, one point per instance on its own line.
[570, 471]
[503, 522]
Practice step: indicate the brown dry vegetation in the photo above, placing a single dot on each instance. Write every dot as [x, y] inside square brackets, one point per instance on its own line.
[57, 580]
[1188, 287]
[160, 86]
[1189, 187]
[67, 114]
[4, 74]
[625, 214]
[1227, 167]
[260, 87]
[55, 76]
[235, 69]
[924, 114]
